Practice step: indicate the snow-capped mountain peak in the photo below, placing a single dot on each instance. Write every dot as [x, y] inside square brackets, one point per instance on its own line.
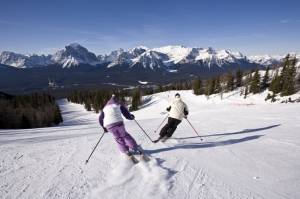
[119, 57]
[175, 53]
[12, 59]
[24, 61]
[265, 60]
[74, 54]
[75, 45]
[150, 59]
[138, 50]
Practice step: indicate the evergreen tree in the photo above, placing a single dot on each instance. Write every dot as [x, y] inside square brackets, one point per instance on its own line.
[25, 123]
[247, 82]
[88, 105]
[230, 82]
[160, 89]
[197, 86]
[275, 85]
[136, 100]
[217, 88]
[28, 111]
[266, 79]
[255, 83]
[289, 77]
[246, 92]
[239, 78]
[210, 87]
[57, 117]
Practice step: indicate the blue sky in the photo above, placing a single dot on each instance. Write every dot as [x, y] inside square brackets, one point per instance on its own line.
[251, 27]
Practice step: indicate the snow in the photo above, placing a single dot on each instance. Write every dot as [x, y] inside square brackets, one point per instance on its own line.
[175, 53]
[143, 82]
[218, 57]
[172, 70]
[266, 60]
[251, 149]
[150, 59]
[12, 59]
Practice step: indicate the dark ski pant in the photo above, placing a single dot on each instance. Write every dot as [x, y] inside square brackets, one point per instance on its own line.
[169, 128]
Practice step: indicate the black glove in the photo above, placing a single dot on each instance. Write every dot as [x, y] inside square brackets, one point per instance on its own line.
[185, 112]
[185, 116]
[105, 130]
[169, 108]
[132, 117]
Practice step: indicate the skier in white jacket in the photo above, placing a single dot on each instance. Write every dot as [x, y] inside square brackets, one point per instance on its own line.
[177, 111]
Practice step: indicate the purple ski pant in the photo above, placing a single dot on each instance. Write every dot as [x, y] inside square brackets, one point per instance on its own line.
[125, 140]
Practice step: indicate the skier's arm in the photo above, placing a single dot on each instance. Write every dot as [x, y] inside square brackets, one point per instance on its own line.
[126, 113]
[101, 117]
[186, 110]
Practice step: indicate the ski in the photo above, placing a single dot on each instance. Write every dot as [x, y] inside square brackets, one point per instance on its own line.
[138, 158]
[155, 141]
[144, 158]
[133, 159]
[163, 139]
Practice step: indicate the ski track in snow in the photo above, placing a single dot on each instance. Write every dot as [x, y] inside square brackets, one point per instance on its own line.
[247, 152]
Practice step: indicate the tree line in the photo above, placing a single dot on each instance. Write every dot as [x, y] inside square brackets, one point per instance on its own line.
[283, 83]
[28, 111]
[95, 100]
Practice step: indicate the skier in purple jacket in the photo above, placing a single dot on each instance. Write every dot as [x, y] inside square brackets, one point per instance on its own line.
[111, 120]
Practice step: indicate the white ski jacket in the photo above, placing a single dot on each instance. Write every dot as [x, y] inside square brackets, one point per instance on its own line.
[112, 114]
[178, 109]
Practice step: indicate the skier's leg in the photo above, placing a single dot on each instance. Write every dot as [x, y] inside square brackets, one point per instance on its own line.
[164, 130]
[117, 133]
[129, 140]
[173, 127]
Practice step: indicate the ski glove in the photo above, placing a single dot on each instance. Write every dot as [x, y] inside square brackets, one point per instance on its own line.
[132, 117]
[169, 108]
[105, 130]
[185, 112]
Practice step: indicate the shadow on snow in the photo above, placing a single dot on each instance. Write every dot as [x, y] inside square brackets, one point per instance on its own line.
[233, 133]
[204, 144]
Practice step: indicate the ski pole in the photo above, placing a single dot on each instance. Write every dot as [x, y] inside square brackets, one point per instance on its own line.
[194, 129]
[143, 131]
[161, 124]
[94, 148]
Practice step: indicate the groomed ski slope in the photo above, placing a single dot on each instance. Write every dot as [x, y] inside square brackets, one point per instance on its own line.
[251, 149]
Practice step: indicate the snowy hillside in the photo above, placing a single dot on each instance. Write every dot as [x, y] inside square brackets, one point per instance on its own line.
[251, 149]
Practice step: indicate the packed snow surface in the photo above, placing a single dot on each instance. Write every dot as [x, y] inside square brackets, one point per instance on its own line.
[250, 149]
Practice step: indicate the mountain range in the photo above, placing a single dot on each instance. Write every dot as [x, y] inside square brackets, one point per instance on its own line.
[167, 56]
[76, 66]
